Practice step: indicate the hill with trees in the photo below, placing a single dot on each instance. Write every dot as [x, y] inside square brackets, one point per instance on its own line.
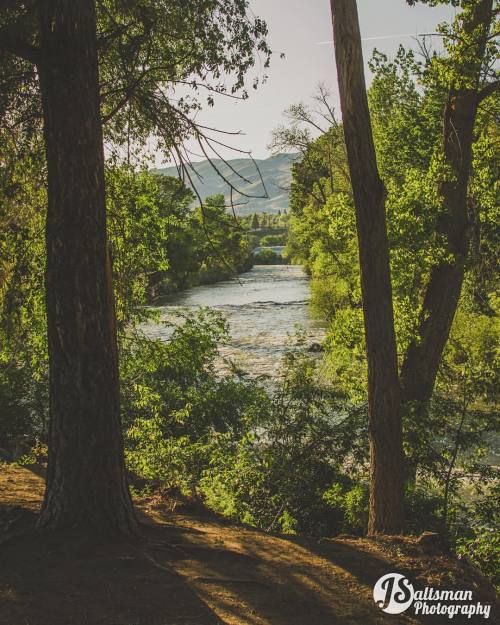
[211, 179]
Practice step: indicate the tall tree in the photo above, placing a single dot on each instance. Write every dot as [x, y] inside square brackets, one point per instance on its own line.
[140, 50]
[468, 87]
[466, 74]
[384, 396]
[86, 479]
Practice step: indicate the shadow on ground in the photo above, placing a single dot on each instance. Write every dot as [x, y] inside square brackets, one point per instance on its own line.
[195, 570]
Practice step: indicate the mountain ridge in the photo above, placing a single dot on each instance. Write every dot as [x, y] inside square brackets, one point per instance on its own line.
[276, 172]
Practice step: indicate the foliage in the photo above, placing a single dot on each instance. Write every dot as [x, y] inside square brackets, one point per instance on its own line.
[174, 405]
[223, 249]
[23, 359]
[273, 239]
[263, 456]
[407, 98]
[480, 542]
[292, 457]
[268, 257]
[158, 243]
[206, 48]
[148, 218]
[159, 61]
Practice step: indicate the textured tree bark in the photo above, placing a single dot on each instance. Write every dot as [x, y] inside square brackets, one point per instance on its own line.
[421, 362]
[386, 455]
[86, 484]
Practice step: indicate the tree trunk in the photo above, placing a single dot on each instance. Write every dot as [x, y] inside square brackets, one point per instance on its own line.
[421, 362]
[386, 455]
[86, 484]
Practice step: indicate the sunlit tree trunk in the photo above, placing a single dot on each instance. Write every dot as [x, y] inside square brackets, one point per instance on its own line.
[384, 397]
[86, 484]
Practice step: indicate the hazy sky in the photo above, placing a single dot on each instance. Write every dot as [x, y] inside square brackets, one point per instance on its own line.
[302, 30]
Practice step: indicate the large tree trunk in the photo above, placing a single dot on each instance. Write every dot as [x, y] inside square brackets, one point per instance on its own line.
[386, 455]
[421, 362]
[86, 484]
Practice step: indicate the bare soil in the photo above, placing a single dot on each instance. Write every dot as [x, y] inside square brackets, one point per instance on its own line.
[193, 568]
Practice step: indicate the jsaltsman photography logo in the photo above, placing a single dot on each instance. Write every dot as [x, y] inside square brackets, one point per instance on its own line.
[395, 594]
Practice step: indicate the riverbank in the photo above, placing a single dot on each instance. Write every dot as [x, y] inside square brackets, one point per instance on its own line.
[270, 255]
[233, 251]
[163, 284]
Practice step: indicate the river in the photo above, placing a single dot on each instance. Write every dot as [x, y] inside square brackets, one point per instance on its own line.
[264, 307]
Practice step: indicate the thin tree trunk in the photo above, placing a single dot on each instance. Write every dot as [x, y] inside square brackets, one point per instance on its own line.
[421, 362]
[86, 484]
[451, 466]
[386, 455]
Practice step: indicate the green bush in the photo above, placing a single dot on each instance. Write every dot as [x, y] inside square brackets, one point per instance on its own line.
[174, 404]
[291, 456]
[277, 475]
[268, 257]
[476, 533]
[483, 549]
[274, 239]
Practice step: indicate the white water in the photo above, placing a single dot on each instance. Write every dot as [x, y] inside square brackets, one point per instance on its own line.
[264, 307]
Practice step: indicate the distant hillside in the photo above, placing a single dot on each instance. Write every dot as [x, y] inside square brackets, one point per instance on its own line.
[275, 171]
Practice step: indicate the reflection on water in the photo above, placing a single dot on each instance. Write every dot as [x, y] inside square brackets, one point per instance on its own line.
[264, 307]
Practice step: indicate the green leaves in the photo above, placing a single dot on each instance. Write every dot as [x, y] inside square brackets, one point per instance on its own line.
[148, 215]
[158, 58]
[175, 407]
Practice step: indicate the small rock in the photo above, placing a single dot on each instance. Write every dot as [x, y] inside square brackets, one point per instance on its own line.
[432, 541]
[315, 348]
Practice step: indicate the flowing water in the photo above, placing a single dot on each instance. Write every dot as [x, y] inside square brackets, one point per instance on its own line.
[264, 307]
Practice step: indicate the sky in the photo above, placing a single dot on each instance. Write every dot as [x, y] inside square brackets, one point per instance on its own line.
[302, 30]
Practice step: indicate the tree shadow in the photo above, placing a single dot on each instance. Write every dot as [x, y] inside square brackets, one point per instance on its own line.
[189, 569]
[65, 579]
[367, 567]
[253, 578]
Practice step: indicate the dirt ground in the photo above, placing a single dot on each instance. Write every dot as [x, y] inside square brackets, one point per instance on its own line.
[192, 568]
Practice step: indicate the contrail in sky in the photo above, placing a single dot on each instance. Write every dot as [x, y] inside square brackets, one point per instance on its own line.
[321, 43]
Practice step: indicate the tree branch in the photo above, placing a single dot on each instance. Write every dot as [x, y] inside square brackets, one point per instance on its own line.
[11, 41]
[488, 90]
